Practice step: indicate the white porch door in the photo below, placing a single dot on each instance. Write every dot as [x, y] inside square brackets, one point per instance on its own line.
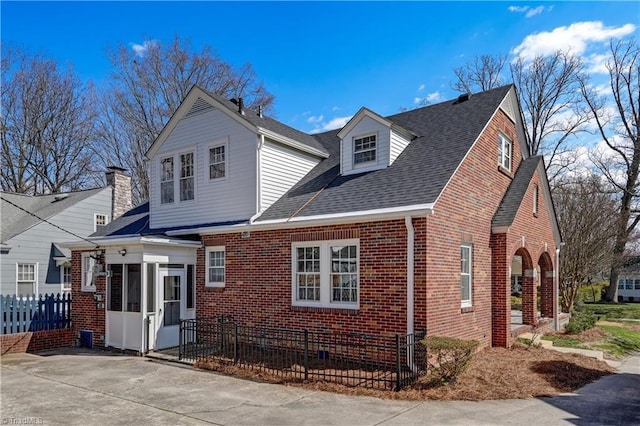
[171, 307]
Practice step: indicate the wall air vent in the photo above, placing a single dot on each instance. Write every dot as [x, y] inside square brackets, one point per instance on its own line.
[199, 106]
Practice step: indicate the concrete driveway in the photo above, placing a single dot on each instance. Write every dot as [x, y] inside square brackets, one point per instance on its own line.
[98, 388]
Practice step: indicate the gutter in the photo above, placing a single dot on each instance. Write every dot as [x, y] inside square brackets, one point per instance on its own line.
[113, 241]
[317, 220]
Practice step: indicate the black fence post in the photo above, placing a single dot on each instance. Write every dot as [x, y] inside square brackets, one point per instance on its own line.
[180, 347]
[306, 354]
[397, 362]
[235, 343]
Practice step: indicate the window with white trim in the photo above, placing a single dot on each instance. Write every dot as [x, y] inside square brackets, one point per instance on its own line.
[326, 274]
[535, 199]
[217, 162]
[166, 180]
[66, 277]
[88, 263]
[505, 149]
[215, 266]
[99, 220]
[364, 149]
[26, 279]
[186, 177]
[466, 274]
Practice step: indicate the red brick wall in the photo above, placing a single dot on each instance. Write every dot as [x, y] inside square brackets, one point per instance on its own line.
[258, 279]
[36, 341]
[85, 312]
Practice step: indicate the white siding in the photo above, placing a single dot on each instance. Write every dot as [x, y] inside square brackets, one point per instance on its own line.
[280, 168]
[398, 144]
[364, 127]
[232, 198]
[34, 245]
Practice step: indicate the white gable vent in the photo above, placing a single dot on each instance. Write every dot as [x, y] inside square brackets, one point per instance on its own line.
[199, 106]
[507, 107]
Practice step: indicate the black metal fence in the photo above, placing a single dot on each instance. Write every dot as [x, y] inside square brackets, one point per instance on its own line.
[373, 361]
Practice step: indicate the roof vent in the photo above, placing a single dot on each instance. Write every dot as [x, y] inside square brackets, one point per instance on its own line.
[234, 100]
[61, 197]
[241, 106]
[260, 111]
[463, 98]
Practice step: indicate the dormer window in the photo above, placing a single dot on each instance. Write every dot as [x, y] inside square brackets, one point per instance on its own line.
[364, 149]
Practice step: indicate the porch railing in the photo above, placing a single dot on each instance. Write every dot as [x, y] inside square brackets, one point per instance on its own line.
[373, 361]
[19, 313]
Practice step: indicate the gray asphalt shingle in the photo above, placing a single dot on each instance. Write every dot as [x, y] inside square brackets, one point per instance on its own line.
[16, 221]
[446, 131]
[512, 199]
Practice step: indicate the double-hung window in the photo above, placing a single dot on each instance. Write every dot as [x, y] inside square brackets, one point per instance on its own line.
[186, 177]
[466, 274]
[166, 180]
[26, 279]
[505, 149]
[217, 162]
[215, 266]
[326, 274]
[364, 149]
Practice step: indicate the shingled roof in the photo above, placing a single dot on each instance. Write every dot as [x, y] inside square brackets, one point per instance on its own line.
[445, 133]
[512, 199]
[15, 221]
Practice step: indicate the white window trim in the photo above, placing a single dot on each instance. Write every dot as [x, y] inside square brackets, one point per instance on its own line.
[65, 287]
[83, 284]
[95, 220]
[325, 274]
[180, 178]
[35, 277]
[215, 284]
[505, 141]
[173, 179]
[353, 150]
[214, 144]
[469, 302]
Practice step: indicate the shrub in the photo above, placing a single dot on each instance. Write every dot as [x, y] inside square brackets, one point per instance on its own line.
[448, 357]
[580, 321]
[516, 303]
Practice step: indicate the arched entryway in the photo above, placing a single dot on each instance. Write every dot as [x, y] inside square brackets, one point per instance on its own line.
[523, 283]
[546, 276]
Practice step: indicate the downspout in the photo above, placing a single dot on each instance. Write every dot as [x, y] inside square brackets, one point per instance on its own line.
[258, 181]
[556, 290]
[410, 285]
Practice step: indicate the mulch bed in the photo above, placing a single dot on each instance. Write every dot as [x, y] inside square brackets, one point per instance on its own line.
[494, 373]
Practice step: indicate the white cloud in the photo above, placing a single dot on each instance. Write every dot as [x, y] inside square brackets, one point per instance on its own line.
[429, 99]
[141, 49]
[334, 123]
[529, 12]
[597, 63]
[315, 119]
[573, 38]
[421, 88]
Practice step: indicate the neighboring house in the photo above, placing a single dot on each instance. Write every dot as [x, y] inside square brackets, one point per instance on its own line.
[399, 224]
[31, 259]
[629, 281]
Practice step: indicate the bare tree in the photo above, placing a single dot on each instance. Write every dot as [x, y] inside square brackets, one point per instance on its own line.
[586, 216]
[548, 88]
[45, 126]
[553, 108]
[483, 73]
[147, 86]
[617, 117]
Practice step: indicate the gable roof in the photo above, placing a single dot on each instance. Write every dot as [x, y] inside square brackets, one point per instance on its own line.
[508, 209]
[445, 132]
[250, 119]
[15, 220]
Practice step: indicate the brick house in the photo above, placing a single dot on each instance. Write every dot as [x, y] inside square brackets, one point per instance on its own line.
[409, 223]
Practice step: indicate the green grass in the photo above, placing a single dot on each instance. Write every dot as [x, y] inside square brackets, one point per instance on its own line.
[619, 342]
[613, 310]
[564, 342]
[626, 340]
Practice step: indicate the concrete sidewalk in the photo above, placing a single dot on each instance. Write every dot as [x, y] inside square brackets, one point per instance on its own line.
[93, 387]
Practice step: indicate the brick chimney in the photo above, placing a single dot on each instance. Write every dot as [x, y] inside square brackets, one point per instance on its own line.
[121, 184]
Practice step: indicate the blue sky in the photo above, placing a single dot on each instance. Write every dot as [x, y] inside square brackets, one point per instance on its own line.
[323, 61]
